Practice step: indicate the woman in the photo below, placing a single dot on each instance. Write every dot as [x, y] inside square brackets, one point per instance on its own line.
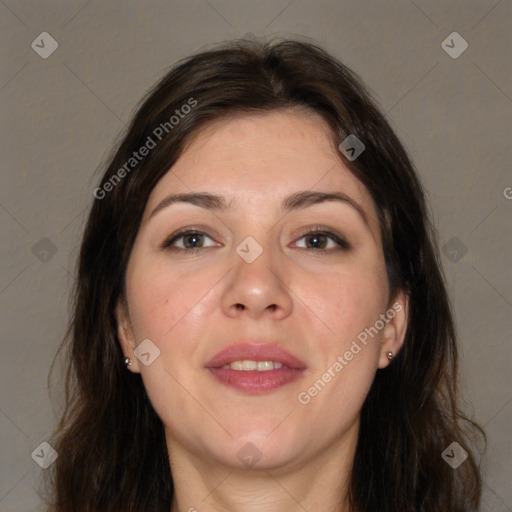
[260, 319]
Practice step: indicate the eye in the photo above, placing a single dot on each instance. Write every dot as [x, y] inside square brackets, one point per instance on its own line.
[319, 240]
[191, 240]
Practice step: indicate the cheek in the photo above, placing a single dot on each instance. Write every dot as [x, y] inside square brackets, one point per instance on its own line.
[171, 309]
[161, 300]
[346, 299]
[337, 386]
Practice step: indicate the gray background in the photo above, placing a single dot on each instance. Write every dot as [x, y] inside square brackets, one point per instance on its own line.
[62, 114]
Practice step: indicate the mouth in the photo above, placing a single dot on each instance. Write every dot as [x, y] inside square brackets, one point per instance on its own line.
[255, 368]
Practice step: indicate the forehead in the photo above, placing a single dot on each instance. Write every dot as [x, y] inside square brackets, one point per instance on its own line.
[257, 159]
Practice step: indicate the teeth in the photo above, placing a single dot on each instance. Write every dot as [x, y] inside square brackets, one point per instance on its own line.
[247, 365]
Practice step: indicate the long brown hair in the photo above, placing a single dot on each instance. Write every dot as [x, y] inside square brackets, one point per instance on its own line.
[111, 443]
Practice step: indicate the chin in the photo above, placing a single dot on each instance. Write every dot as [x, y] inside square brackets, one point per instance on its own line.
[257, 450]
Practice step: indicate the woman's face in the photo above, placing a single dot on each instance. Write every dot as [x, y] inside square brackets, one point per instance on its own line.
[252, 276]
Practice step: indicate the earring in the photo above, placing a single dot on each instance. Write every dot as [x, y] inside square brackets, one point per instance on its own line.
[127, 361]
[390, 355]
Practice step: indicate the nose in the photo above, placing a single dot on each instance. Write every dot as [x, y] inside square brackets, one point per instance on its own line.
[258, 289]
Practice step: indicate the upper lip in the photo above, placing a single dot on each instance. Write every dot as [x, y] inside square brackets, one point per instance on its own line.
[254, 351]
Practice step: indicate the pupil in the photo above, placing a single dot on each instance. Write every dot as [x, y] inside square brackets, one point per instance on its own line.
[316, 242]
[193, 236]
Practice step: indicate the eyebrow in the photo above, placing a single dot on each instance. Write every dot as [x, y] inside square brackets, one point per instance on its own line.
[295, 201]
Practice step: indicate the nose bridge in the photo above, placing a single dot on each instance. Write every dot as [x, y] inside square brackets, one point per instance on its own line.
[256, 259]
[258, 241]
[256, 282]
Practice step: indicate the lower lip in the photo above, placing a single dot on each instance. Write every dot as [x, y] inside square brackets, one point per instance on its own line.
[256, 382]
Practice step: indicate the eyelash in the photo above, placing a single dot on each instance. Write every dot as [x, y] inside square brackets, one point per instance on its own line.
[342, 243]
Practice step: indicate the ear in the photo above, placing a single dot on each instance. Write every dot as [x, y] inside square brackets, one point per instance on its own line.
[393, 334]
[125, 334]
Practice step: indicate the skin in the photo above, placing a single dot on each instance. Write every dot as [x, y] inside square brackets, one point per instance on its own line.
[312, 303]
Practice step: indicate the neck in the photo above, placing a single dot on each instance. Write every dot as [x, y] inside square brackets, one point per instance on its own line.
[201, 483]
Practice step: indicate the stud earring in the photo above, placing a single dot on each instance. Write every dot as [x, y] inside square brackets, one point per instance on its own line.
[390, 355]
[127, 361]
